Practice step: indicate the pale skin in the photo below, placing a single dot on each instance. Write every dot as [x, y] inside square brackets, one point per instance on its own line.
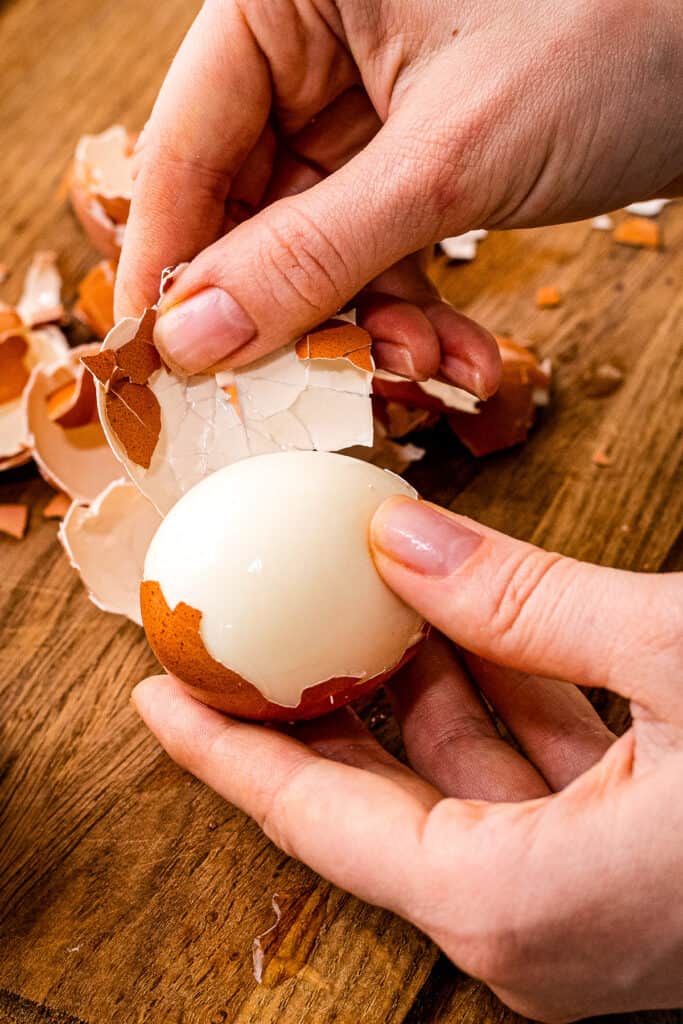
[297, 151]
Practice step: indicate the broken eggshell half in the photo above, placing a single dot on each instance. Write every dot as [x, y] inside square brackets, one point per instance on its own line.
[170, 432]
[260, 593]
[63, 429]
[106, 543]
[41, 298]
[506, 418]
[100, 184]
[95, 303]
[22, 349]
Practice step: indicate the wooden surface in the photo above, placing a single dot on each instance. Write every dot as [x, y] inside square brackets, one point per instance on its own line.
[129, 892]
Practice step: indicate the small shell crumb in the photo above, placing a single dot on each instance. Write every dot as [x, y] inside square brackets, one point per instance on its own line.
[548, 297]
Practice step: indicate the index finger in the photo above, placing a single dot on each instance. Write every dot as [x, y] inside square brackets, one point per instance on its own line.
[210, 112]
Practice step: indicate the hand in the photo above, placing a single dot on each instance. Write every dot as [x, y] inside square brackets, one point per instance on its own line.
[298, 150]
[552, 872]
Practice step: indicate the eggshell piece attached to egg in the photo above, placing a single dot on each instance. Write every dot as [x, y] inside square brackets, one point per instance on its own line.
[260, 593]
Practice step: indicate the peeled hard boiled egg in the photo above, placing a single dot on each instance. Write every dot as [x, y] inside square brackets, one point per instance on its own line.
[260, 594]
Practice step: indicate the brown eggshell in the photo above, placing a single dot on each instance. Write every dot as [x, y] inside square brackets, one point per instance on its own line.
[103, 216]
[63, 432]
[95, 305]
[104, 234]
[176, 640]
[506, 418]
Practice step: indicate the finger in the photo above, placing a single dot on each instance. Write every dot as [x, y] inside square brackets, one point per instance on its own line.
[342, 737]
[529, 609]
[298, 261]
[401, 307]
[291, 175]
[359, 829]
[468, 355]
[208, 116]
[329, 141]
[403, 339]
[250, 181]
[450, 737]
[555, 725]
[338, 132]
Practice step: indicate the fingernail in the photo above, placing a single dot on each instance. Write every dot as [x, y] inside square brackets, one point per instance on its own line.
[203, 329]
[421, 538]
[464, 375]
[395, 358]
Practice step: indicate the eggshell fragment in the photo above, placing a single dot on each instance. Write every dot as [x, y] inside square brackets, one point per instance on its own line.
[14, 520]
[603, 222]
[95, 304]
[548, 297]
[106, 543]
[260, 592]
[387, 453]
[63, 429]
[41, 301]
[637, 232]
[57, 507]
[397, 419]
[170, 431]
[14, 374]
[463, 247]
[21, 350]
[506, 418]
[647, 208]
[434, 395]
[101, 186]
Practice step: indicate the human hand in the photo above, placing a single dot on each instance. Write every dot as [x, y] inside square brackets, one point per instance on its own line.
[296, 151]
[553, 873]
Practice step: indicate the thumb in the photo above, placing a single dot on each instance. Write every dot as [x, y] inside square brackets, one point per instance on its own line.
[299, 260]
[530, 609]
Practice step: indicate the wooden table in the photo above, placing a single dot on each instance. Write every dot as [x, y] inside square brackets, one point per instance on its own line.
[128, 891]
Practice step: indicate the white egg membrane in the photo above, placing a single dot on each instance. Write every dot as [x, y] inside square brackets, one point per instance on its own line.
[282, 402]
[273, 551]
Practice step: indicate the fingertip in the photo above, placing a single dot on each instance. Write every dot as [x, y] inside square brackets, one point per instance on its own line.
[404, 341]
[470, 357]
[146, 696]
[382, 517]
[134, 291]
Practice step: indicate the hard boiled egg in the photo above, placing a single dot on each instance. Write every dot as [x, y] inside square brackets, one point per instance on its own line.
[260, 594]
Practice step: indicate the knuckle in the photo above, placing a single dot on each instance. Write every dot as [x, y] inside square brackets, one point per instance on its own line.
[173, 171]
[459, 728]
[431, 173]
[300, 261]
[517, 604]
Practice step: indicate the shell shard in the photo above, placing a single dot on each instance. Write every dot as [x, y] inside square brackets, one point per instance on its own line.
[95, 303]
[463, 247]
[22, 350]
[506, 418]
[171, 431]
[41, 301]
[14, 520]
[106, 542]
[100, 185]
[62, 429]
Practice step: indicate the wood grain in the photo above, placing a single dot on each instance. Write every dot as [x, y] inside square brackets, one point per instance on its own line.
[129, 892]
